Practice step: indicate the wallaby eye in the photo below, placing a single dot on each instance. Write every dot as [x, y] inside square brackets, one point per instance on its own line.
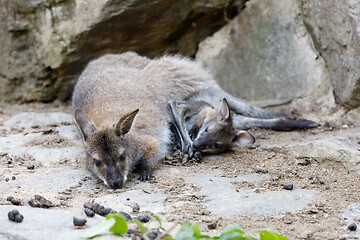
[216, 145]
[206, 129]
[97, 162]
[122, 156]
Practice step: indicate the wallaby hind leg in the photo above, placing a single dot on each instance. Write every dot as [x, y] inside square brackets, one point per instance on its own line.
[278, 124]
[240, 106]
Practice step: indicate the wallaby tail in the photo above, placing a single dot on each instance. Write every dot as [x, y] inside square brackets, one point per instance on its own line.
[271, 102]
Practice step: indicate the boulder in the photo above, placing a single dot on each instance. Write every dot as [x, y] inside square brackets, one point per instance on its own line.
[266, 52]
[335, 28]
[47, 43]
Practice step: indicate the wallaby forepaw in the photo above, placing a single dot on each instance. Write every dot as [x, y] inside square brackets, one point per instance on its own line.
[185, 159]
[188, 149]
[145, 176]
[197, 156]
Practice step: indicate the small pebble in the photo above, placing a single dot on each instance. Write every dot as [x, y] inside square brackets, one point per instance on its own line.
[7, 179]
[128, 199]
[89, 206]
[153, 235]
[15, 216]
[312, 176]
[130, 231]
[95, 206]
[126, 215]
[98, 208]
[287, 220]
[212, 225]
[143, 219]
[9, 198]
[89, 212]
[31, 167]
[293, 111]
[11, 214]
[79, 222]
[352, 227]
[15, 201]
[19, 218]
[105, 211]
[305, 162]
[136, 208]
[169, 157]
[13, 177]
[288, 187]
[40, 202]
[326, 124]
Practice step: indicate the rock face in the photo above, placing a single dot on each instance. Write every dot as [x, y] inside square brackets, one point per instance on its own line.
[266, 53]
[46, 44]
[335, 28]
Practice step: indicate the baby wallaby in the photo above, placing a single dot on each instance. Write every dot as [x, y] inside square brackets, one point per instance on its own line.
[121, 109]
[205, 129]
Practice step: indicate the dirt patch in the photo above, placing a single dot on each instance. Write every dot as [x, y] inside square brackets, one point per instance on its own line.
[322, 218]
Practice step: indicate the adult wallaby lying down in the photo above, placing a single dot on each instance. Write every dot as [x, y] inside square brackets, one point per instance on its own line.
[121, 109]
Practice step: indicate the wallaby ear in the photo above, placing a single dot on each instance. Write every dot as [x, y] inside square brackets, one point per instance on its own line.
[242, 138]
[124, 124]
[84, 123]
[224, 113]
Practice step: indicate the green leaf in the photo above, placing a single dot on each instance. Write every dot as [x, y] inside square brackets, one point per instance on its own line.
[168, 238]
[234, 232]
[250, 238]
[98, 229]
[233, 228]
[271, 236]
[185, 232]
[140, 225]
[196, 229]
[120, 227]
[157, 218]
[235, 235]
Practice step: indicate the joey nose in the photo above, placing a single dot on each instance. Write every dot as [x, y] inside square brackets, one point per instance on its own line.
[198, 144]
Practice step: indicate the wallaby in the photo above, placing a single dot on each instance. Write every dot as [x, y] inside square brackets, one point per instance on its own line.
[121, 108]
[202, 129]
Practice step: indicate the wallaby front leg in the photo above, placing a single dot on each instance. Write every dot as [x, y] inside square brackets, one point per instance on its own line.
[179, 122]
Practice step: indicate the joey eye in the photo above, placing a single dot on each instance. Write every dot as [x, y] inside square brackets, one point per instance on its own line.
[122, 156]
[217, 145]
[97, 162]
[206, 129]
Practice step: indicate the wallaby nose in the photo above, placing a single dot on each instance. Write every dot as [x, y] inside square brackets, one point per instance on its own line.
[115, 184]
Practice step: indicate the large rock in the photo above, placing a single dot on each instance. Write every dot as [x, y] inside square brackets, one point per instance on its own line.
[338, 145]
[45, 44]
[335, 28]
[266, 53]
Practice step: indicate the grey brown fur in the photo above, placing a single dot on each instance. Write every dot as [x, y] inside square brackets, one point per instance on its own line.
[121, 109]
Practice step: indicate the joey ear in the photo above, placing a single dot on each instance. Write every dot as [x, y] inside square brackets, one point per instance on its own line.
[124, 124]
[242, 138]
[84, 123]
[224, 113]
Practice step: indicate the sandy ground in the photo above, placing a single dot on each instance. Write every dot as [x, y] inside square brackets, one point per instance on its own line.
[326, 216]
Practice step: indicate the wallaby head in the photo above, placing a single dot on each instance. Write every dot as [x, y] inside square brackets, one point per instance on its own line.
[217, 134]
[108, 154]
